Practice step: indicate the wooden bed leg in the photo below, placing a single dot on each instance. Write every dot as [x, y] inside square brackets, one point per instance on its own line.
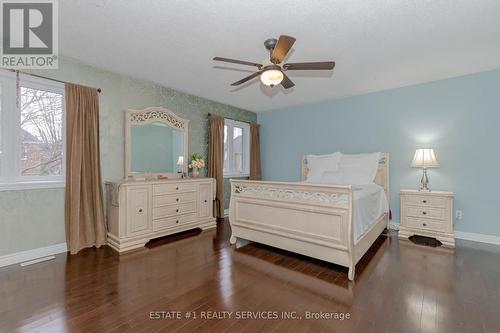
[350, 274]
[232, 240]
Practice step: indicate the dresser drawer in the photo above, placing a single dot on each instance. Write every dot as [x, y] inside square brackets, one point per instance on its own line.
[173, 221]
[173, 210]
[425, 224]
[426, 201]
[426, 212]
[173, 188]
[171, 199]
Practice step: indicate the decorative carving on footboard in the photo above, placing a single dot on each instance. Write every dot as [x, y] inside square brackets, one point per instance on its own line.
[315, 220]
[270, 191]
[311, 219]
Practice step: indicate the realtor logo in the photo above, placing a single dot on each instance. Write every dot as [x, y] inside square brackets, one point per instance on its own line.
[29, 34]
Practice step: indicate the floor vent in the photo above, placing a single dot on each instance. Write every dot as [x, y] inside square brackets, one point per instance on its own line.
[36, 261]
[427, 241]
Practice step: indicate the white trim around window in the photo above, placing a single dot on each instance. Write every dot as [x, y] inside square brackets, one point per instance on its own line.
[230, 172]
[10, 130]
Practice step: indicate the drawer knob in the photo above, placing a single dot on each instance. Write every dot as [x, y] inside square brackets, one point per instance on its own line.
[424, 201]
[205, 200]
[424, 224]
[177, 199]
[177, 221]
[140, 210]
[176, 210]
[425, 213]
[177, 188]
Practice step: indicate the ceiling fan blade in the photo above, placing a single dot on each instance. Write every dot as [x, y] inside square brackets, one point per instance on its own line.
[245, 79]
[287, 83]
[309, 65]
[241, 62]
[282, 48]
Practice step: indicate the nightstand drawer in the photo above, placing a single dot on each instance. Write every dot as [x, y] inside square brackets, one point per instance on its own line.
[428, 200]
[426, 212]
[425, 224]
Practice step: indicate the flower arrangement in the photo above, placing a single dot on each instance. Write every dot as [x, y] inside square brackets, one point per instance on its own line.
[200, 164]
[197, 163]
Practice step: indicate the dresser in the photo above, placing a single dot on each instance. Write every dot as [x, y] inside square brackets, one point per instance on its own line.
[139, 211]
[427, 214]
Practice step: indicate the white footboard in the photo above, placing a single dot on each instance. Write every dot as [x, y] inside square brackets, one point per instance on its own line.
[313, 220]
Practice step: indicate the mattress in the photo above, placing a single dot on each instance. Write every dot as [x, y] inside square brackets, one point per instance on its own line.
[369, 203]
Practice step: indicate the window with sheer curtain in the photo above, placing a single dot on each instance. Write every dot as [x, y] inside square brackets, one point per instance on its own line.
[236, 148]
[32, 132]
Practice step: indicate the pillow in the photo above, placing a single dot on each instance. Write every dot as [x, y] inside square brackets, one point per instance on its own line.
[332, 177]
[318, 164]
[359, 169]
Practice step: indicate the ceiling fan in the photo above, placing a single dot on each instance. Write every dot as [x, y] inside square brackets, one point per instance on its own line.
[273, 73]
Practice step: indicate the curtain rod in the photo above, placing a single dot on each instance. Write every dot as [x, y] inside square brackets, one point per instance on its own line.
[241, 121]
[99, 90]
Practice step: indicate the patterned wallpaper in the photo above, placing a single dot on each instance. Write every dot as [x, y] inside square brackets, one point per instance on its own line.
[43, 223]
[122, 92]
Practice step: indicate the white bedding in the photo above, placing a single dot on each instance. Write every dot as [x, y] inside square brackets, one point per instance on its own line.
[369, 203]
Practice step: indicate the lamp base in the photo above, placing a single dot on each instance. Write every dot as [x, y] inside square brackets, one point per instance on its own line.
[424, 181]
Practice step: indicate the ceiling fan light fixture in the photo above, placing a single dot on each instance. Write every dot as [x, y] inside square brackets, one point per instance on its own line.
[274, 72]
[271, 77]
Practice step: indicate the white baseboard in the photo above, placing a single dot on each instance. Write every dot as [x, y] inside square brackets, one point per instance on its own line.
[18, 257]
[470, 236]
[482, 238]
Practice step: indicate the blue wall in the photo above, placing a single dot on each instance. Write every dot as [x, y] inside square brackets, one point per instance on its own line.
[459, 118]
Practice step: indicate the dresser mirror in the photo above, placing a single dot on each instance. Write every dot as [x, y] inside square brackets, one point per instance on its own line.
[156, 143]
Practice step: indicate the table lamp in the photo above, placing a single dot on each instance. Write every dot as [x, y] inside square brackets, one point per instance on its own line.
[180, 162]
[424, 158]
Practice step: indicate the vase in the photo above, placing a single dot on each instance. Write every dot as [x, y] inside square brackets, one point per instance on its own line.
[195, 173]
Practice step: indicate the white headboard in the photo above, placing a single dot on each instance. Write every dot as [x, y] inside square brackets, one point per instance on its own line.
[382, 177]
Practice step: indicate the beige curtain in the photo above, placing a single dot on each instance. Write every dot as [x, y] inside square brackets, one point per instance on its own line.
[84, 211]
[255, 172]
[216, 161]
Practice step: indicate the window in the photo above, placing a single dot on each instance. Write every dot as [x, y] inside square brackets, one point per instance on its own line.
[32, 132]
[236, 148]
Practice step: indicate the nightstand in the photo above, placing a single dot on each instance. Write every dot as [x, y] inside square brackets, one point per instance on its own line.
[427, 214]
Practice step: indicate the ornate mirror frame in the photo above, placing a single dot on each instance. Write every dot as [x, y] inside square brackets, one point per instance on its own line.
[148, 116]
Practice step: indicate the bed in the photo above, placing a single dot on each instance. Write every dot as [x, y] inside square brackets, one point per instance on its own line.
[334, 223]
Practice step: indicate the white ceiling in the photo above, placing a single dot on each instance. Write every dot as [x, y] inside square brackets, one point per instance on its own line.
[377, 44]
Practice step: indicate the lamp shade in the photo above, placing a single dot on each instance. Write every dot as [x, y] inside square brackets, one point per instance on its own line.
[424, 158]
[180, 160]
[271, 77]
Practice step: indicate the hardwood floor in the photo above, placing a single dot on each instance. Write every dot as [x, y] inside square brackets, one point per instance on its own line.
[399, 287]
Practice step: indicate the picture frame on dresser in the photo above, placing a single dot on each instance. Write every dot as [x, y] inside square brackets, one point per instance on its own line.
[427, 213]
